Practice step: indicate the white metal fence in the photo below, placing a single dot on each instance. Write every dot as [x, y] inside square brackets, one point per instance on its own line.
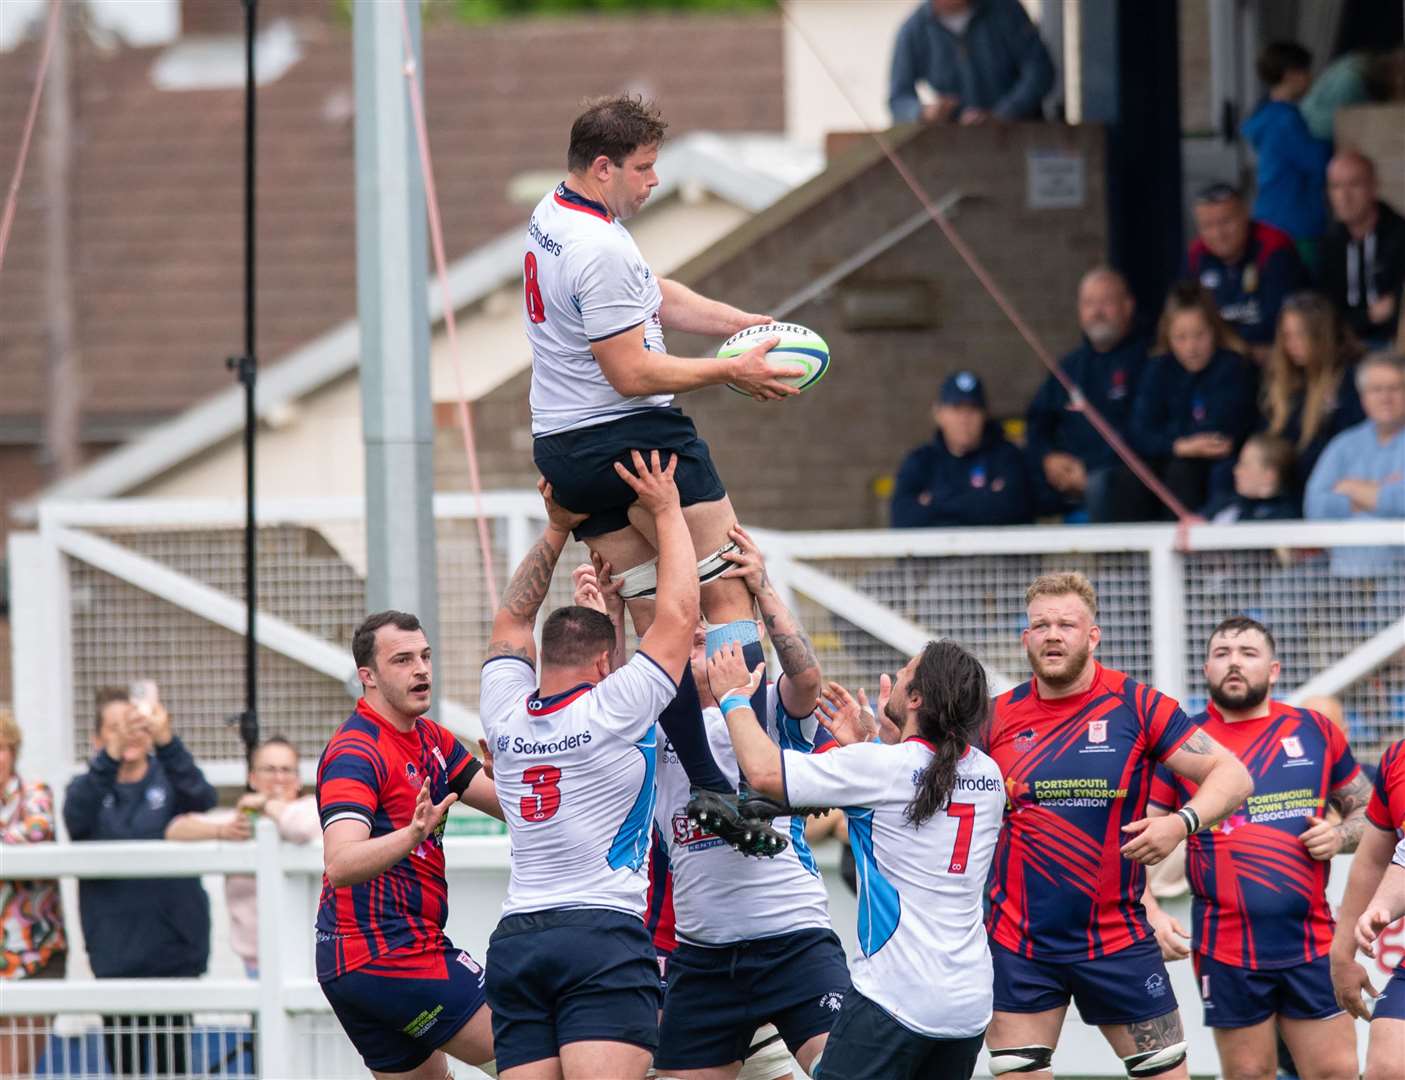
[280, 1027]
[112, 590]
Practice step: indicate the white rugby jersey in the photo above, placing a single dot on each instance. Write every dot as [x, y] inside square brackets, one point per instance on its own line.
[575, 775]
[921, 927]
[584, 280]
[719, 895]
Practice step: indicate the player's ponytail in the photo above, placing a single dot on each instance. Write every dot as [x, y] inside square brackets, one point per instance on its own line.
[955, 703]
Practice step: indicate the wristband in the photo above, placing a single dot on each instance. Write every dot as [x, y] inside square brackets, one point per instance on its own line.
[734, 701]
[1191, 818]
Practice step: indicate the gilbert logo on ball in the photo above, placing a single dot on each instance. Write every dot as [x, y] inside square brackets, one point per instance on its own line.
[798, 345]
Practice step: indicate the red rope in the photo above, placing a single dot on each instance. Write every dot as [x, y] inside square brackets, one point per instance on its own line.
[436, 235]
[12, 199]
[1076, 398]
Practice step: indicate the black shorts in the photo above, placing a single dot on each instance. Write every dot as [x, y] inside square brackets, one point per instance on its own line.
[579, 465]
[718, 997]
[570, 975]
[866, 1042]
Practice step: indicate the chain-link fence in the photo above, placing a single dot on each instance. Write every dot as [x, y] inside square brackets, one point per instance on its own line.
[1157, 605]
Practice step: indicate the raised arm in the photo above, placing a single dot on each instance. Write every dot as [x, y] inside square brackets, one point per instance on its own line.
[516, 618]
[758, 757]
[669, 640]
[692, 313]
[1222, 786]
[593, 586]
[634, 371]
[800, 669]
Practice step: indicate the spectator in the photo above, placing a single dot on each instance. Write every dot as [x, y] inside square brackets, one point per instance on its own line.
[1195, 404]
[1261, 478]
[1070, 462]
[969, 474]
[139, 778]
[984, 58]
[1361, 473]
[1362, 263]
[1249, 266]
[31, 916]
[1351, 79]
[1309, 390]
[274, 793]
[1292, 164]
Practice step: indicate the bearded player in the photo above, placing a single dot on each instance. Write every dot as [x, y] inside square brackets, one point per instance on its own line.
[603, 385]
[1077, 745]
[1261, 925]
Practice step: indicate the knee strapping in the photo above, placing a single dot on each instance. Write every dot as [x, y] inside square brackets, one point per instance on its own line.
[639, 581]
[1021, 1059]
[642, 581]
[742, 631]
[1155, 1062]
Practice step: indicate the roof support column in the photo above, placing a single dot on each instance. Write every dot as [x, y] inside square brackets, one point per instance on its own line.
[392, 309]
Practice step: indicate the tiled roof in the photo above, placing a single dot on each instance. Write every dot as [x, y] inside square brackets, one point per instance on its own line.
[157, 181]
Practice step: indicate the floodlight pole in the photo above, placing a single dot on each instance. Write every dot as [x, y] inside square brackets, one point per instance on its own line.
[392, 306]
[245, 368]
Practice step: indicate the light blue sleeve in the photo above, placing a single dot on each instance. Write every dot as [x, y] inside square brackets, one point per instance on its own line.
[1320, 501]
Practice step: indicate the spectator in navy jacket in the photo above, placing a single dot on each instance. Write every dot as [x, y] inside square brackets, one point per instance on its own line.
[139, 778]
[1069, 462]
[983, 58]
[1250, 267]
[1361, 265]
[969, 474]
[1292, 167]
[1195, 404]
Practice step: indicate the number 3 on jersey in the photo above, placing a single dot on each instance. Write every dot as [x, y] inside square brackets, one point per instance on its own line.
[536, 310]
[545, 781]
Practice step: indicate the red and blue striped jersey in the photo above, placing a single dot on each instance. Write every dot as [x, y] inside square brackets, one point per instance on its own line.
[1077, 769]
[372, 772]
[658, 915]
[1260, 900]
[1386, 810]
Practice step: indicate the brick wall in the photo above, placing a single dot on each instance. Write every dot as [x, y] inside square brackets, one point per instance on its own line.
[811, 462]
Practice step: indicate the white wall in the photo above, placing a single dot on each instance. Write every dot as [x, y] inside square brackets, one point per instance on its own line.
[137, 22]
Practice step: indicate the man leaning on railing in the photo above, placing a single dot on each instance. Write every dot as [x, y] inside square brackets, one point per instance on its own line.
[140, 777]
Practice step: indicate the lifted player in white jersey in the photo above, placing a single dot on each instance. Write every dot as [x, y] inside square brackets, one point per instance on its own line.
[924, 813]
[603, 384]
[571, 975]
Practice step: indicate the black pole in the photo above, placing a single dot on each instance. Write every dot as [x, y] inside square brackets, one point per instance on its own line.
[246, 367]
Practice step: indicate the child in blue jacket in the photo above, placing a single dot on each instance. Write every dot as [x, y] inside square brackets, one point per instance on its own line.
[1292, 172]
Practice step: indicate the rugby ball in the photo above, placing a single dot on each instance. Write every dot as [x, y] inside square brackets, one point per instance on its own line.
[798, 345]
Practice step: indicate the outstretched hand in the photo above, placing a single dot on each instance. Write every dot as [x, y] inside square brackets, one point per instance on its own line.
[848, 719]
[428, 814]
[727, 673]
[561, 519]
[652, 483]
[747, 562]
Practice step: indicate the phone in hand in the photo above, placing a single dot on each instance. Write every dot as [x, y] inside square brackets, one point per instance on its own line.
[144, 695]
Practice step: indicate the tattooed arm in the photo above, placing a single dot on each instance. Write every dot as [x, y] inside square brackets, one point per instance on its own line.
[516, 617]
[1324, 839]
[801, 679]
[1222, 781]
[1223, 785]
